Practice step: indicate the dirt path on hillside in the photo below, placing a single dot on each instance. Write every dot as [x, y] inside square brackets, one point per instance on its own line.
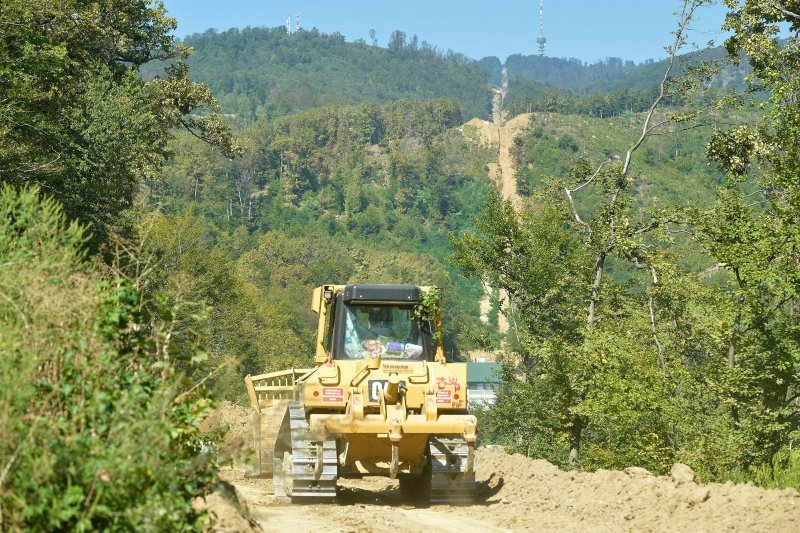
[500, 135]
[516, 494]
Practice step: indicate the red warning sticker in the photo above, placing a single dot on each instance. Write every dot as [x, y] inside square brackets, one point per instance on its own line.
[332, 395]
[443, 396]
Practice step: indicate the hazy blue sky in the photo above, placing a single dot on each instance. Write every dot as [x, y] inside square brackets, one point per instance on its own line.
[585, 29]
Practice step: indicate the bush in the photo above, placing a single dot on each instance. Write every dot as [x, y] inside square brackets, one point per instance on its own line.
[784, 471]
[568, 142]
[96, 432]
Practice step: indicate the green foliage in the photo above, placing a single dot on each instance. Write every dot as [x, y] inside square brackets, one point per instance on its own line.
[331, 195]
[97, 429]
[615, 76]
[260, 73]
[608, 379]
[784, 472]
[76, 118]
[428, 309]
[536, 260]
[567, 142]
[428, 306]
[752, 229]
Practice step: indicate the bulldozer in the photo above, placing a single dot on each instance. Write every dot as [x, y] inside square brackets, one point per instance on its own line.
[381, 400]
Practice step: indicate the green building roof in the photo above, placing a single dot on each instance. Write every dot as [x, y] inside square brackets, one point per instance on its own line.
[483, 372]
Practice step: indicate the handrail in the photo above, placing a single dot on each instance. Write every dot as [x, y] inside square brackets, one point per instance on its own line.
[273, 388]
[266, 389]
[282, 373]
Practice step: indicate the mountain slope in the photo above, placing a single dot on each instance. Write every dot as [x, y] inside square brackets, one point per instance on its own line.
[611, 74]
[262, 72]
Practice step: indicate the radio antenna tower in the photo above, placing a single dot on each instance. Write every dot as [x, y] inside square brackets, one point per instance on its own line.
[297, 22]
[541, 40]
[289, 23]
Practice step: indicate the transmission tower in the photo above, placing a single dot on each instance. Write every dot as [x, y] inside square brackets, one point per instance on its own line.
[289, 23]
[541, 40]
[297, 22]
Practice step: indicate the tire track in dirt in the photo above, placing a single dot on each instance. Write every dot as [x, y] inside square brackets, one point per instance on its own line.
[368, 504]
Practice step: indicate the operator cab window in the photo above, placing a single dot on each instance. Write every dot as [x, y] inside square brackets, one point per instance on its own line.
[390, 331]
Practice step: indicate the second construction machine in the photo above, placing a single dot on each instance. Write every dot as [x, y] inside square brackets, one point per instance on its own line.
[381, 400]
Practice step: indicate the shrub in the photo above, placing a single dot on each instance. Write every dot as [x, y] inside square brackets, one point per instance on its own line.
[568, 142]
[782, 473]
[96, 432]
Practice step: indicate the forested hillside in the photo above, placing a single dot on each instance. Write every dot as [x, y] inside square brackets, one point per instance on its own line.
[610, 74]
[264, 73]
[672, 168]
[605, 88]
[332, 195]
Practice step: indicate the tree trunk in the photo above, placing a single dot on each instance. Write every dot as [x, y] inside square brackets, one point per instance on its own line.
[598, 278]
[734, 338]
[575, 442]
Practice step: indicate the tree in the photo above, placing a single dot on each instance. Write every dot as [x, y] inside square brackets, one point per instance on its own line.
[86, 377]
[397, 41]
[753, 230]
[577, 333]
[75, 117]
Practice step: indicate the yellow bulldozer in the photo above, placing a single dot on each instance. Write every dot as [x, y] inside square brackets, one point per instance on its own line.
[381, 400]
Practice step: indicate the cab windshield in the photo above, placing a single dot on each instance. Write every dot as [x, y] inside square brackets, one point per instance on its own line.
[390, 331]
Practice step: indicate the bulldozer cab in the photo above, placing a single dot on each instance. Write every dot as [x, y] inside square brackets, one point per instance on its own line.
[375, 320]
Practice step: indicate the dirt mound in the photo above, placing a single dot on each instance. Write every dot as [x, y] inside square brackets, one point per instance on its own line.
[235, 423]
[227, 506]
[519, 122]
[227, 512]
[536, 494]
[517, 493]
[486, 132]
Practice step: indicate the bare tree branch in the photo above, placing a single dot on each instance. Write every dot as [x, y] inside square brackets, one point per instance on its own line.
[636, 262]
[579, 187]
[783, 10]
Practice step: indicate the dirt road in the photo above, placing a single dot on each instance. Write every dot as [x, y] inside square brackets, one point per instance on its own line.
[370, 504]
[515, 494]
[500, 135]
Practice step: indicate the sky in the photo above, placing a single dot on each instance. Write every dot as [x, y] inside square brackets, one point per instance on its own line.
[589, 30]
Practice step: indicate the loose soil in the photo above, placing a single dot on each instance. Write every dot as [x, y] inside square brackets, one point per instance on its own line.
[515, 494]
[500, 135]
[235, 423]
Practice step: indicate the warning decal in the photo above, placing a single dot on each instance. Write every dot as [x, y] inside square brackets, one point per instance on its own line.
[332, 395]
[443, 396]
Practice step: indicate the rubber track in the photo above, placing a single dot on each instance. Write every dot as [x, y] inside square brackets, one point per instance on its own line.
[304, 458]
[449, 482]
